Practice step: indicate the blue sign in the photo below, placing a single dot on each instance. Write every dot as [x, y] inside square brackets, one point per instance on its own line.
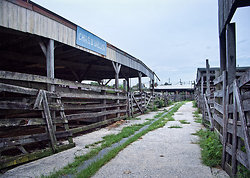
[90, 41]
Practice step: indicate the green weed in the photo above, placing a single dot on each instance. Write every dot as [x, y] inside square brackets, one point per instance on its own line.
[211, 148]
[184, 122]
[174, 127]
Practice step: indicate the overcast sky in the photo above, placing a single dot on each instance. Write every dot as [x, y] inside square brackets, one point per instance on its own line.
[172, 37]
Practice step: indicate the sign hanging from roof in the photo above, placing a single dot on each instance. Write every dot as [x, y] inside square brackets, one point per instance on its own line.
[90, 41]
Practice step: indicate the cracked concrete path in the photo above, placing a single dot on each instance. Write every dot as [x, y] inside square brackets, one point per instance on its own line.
[57, 161]
[165, 152]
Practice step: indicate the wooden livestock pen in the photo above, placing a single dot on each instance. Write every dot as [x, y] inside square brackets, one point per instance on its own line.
[43, 101]
[177, 92]
[225, 102]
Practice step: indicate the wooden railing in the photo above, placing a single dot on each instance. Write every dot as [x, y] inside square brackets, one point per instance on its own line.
[35, 122]
[33, 118]
[228, 114]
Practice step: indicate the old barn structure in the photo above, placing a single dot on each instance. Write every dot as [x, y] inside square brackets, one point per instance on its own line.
[44, 59]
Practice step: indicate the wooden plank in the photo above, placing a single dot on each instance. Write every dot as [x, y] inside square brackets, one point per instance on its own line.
[245, 105]
[225, 118]
[137, 104]
[245, 78]
[15, 105]
[90, 96]
[95, 125]
[12, 122]
[209, 113]
[218, 94]
[42, 79]
[17, 89]
[243, 120]
[93, 114]
[49, 122]
[218, 79]
[231, 53]
[240, 156]
[92, 106]
[218, 107]
[16, 160]
[234, 138]
[64, 119]
[208, 77]
[229, 126]
[28, 139]
[227, 9]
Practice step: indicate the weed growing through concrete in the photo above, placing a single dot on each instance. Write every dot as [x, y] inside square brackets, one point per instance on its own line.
[184, 122]
[149, 119]
[133, 118]
[174, 127]
[94, 144]
[108, 141]
[197, 117]
[211, 148]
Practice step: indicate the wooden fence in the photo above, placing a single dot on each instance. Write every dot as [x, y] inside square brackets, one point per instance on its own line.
[225, 107]
[35, 122]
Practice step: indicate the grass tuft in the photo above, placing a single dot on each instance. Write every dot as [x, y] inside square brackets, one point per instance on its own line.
[211, 148]
[174, 127]
[184, 122]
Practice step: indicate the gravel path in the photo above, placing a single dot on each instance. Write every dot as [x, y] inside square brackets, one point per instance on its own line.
[165, 152]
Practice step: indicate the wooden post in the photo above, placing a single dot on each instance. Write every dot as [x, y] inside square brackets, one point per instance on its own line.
[202, 98]
[104, 102]
[234, 139]
[139, 82]
[117, 68]
[153, 86]
[231, 53]
[128, 87]
[128, 98]
[124, 85]
[222, 52]
[208, 77]
[225, 117]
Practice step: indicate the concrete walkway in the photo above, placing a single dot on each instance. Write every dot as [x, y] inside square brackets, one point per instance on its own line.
[165, 152]
[57, 161]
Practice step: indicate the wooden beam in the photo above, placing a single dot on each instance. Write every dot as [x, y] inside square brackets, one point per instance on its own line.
[42, 79]
[243, 120]
[139, 81]
[234, 138]
[208, 77]
[231, 53]
[222, 52]
[209, 113]
[48, 119]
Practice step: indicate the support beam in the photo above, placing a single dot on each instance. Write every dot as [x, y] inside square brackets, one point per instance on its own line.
[128, 85]
[208, 76]
[222, 52]
[139, 82]
[117, 68]
[231, 53]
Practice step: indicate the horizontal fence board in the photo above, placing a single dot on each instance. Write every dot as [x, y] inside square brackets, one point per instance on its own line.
[27, 139]
[82, 116]
[11, 122]
[42, 79]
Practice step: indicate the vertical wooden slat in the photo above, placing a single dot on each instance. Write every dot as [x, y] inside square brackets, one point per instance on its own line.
[242, 119]
[234, 141]
[49, 122]
[209, 113]
[225, 118]
[231, 53]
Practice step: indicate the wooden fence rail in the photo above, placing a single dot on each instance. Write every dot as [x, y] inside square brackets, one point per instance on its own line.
[35, 122]
[228, 114]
